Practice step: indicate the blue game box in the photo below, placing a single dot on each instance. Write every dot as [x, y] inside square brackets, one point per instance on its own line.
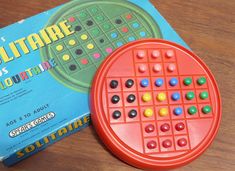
[47, 63]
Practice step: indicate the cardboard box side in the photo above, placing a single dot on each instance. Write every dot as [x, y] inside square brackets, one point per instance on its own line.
[56, 135]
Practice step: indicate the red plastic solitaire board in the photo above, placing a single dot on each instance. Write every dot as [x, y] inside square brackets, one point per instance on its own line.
[155, 104]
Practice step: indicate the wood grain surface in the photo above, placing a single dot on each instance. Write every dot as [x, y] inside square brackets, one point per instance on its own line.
[208, 26]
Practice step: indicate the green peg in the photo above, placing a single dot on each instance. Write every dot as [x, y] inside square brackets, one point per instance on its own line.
[192, 110]
[188, 81]
[204, 95]
[190, 95]
[201, 81]
[206, 109]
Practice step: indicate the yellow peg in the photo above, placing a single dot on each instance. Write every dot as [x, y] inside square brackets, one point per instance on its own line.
[148, 112]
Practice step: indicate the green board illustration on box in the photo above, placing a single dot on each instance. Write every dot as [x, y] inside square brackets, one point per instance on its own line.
[100, 27]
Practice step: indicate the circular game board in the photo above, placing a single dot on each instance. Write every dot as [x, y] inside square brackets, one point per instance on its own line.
[155, 104]
[101, 26]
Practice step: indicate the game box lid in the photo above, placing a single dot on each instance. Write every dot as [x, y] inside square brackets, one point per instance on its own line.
[47, 63]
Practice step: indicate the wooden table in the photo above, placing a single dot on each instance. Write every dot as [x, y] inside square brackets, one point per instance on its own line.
[208, 26]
